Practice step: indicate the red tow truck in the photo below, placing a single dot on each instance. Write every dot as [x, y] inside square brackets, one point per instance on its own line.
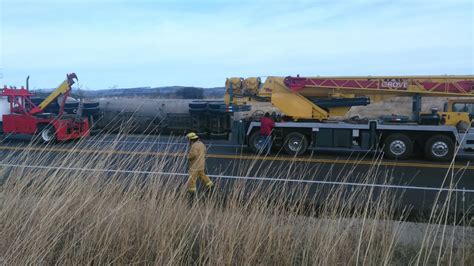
[25, 117]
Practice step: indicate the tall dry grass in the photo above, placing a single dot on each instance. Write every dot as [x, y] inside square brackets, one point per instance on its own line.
[75, 212]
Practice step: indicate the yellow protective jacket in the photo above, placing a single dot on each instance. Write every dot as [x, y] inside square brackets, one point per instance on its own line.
[197, 156]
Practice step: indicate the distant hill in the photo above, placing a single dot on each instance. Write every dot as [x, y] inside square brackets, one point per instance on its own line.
[175, 92]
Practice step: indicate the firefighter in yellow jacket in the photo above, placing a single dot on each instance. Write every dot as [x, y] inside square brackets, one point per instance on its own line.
[197, 163]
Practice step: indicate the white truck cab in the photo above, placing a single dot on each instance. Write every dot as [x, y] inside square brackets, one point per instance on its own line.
[4, 107]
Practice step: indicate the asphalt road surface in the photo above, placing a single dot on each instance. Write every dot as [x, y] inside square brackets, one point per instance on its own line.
[417, 181]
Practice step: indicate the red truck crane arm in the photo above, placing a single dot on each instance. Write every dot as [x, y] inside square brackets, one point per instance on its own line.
[63, 88]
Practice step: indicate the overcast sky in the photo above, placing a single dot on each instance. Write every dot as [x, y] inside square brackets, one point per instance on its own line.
[200, 43]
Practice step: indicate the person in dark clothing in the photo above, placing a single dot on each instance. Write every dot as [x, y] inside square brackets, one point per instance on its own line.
[266, 127]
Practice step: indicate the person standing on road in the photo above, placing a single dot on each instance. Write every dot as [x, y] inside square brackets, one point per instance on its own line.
[266, 127]
[197, 163]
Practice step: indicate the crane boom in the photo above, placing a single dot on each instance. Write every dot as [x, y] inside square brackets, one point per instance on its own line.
[63, 88]
[396, 85]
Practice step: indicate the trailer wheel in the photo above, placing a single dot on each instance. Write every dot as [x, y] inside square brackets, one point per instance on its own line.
[47, 134]
[256, 142]
[295, 144]
[439, 148]
[398, 146]
[198, 105]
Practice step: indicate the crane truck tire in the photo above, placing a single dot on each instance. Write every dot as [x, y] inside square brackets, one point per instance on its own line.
[295, 144]
[398, 146]
[256, 141]
[47, 134]
[439, 148]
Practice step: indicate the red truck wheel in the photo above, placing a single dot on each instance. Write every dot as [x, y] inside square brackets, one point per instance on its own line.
[47, 134]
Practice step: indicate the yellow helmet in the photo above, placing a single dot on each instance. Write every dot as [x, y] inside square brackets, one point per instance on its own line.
[192, 136]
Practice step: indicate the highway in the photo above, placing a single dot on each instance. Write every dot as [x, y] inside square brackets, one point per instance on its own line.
[417, 181]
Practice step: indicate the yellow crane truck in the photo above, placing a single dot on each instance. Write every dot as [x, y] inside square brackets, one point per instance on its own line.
[310, 106]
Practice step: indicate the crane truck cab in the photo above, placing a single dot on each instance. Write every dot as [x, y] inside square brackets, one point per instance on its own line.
[461, 105]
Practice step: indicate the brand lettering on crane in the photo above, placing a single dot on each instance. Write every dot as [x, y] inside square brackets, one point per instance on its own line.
[395, 84]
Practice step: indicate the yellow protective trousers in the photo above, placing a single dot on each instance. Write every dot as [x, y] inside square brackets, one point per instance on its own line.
[193, 175]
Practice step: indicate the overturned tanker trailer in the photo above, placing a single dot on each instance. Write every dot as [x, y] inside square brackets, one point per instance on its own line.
[208, 118]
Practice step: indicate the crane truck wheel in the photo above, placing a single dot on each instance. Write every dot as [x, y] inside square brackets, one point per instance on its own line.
[47, 134]
[398, 146]
[439, 148]
[295, 144]
[256, 142]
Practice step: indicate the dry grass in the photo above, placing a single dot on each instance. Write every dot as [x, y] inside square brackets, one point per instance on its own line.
[69, 216]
